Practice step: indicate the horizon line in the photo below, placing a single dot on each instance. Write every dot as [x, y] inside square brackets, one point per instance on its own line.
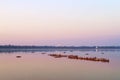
[60, 46]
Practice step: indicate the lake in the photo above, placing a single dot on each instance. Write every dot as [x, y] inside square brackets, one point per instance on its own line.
[38, 65]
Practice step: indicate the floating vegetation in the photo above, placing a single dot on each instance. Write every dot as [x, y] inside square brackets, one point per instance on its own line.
[43, 53]
[80, 58]
[102, 53]
[18, 56]
[64, 52]
[86, 54]
[71, 51]
[57, 55]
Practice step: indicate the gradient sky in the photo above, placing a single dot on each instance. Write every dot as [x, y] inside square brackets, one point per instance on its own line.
[60, 22]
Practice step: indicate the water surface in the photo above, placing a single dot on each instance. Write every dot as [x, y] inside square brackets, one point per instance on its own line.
[39, 66]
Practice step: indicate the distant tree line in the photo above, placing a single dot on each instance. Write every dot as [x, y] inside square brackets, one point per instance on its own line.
[57, 47]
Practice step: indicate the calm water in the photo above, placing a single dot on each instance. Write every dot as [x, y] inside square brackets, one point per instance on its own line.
[38, 66]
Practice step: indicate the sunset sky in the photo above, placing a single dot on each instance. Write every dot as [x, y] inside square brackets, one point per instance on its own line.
[60, 22]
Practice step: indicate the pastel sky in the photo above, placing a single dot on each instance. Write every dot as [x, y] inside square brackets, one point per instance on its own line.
[60, 22]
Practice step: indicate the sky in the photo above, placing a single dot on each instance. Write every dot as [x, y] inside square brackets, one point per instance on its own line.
[60, 22]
